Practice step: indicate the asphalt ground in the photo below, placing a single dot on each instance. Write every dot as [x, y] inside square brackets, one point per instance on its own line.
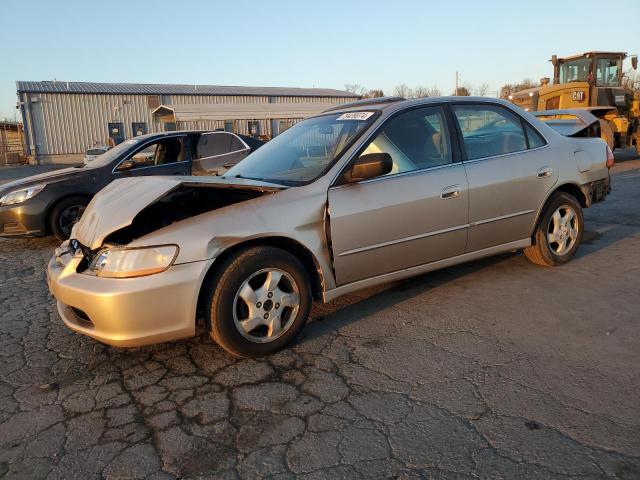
[497, 369]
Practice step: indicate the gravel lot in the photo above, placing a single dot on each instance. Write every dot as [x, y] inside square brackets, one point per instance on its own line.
[498, 369]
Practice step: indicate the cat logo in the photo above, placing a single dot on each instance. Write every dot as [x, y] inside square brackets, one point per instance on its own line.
[577, 95]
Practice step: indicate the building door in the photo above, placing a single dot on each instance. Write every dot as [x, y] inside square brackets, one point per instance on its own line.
[116, 133]
[39, 146]
[138, 128]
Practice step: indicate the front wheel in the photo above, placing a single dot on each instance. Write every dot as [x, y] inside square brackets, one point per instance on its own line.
[258, 301]
[558, 233]
[65, 215]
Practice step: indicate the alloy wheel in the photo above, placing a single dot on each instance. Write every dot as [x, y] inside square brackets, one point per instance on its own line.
[562, 232]
[266, 305]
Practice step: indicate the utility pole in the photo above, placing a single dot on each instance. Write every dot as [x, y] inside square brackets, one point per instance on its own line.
[455, 93]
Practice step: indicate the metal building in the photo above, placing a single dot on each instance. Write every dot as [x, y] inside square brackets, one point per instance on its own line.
[63, 119]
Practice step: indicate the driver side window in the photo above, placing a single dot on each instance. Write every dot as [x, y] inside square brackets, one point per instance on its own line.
[165, 151]
[416, 140]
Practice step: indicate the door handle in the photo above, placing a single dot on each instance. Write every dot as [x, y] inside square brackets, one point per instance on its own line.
[545, 172]
[450, 192]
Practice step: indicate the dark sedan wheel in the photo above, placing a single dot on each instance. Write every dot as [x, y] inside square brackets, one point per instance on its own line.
[258, 301]
[65, 215]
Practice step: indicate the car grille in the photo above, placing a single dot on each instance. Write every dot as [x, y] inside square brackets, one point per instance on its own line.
[87, 254]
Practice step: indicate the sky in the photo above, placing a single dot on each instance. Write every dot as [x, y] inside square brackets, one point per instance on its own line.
[322, 43]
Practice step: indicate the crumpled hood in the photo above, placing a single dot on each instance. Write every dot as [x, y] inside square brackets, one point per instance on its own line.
[47, 177]
[116, 205]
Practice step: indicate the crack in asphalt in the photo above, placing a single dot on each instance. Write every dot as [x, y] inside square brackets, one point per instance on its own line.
[463, 373]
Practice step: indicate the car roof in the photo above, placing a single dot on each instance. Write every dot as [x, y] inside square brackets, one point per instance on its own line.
[393, 103]
[387, 104]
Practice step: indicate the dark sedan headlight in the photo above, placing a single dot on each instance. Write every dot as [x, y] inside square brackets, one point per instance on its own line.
[21, 195]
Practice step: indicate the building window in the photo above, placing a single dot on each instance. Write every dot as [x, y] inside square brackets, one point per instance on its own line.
[170, 127]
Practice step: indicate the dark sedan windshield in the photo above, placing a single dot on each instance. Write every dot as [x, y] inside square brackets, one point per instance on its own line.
[305, 151]
[112, 154]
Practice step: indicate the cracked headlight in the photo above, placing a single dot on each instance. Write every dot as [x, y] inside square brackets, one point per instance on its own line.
[21, 195]
[133, 262]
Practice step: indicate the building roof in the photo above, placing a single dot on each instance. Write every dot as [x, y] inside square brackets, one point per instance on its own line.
[238, 111]
[159, 89]
[7, 125]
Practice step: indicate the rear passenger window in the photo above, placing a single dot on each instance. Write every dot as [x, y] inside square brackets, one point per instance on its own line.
[213, 144]
[488, 131]
[535, 139]
[416, 140]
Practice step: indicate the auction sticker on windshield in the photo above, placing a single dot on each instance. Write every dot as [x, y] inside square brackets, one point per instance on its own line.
[355, 116]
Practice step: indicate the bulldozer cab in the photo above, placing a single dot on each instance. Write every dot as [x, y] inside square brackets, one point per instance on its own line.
[598, 69]
[593, 81]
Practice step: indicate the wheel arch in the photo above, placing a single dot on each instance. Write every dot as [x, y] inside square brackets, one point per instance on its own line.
[287, 244]
[572, 189]
[47, 213]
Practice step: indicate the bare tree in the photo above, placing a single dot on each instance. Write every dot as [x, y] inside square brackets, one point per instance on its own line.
[483, 89]
[462, 92]
[403, 91]
[434, 92]
[355, 88]
[374, 94]
[420, 92]
[423, 92]
[511, 88]
[631, 80]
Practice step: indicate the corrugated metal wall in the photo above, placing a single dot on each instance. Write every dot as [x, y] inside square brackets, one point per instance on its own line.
[63, 124]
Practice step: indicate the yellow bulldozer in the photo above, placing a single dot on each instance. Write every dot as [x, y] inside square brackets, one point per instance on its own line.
[593, 81]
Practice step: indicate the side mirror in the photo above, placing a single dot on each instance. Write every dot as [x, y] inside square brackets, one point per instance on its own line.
[126, 165]
[369, 166]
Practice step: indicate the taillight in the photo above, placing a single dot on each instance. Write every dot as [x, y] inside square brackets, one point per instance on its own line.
[610, 158]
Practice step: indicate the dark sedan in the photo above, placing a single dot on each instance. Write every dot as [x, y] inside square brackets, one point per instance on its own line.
[52, 202]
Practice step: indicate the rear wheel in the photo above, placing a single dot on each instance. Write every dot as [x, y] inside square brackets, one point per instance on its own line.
[558, 233]
[65, 215]
[258, 301]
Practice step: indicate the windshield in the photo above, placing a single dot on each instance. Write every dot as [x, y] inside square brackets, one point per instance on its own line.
[608, 72]
[305, 151]
[110, 155]
[575, 70]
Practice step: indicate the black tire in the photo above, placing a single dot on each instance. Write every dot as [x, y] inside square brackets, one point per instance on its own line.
[221, 299]
[65, 214]
[542, 251]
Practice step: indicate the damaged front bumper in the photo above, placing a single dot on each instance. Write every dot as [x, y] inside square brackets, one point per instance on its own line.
[126, 312]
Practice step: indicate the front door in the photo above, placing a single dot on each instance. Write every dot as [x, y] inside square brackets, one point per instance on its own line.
[509, 171]
[168, 156]
[415, 215]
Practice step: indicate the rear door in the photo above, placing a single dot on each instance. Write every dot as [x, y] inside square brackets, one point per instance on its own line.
[509, 169]
[216, 152]
[417, 214]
